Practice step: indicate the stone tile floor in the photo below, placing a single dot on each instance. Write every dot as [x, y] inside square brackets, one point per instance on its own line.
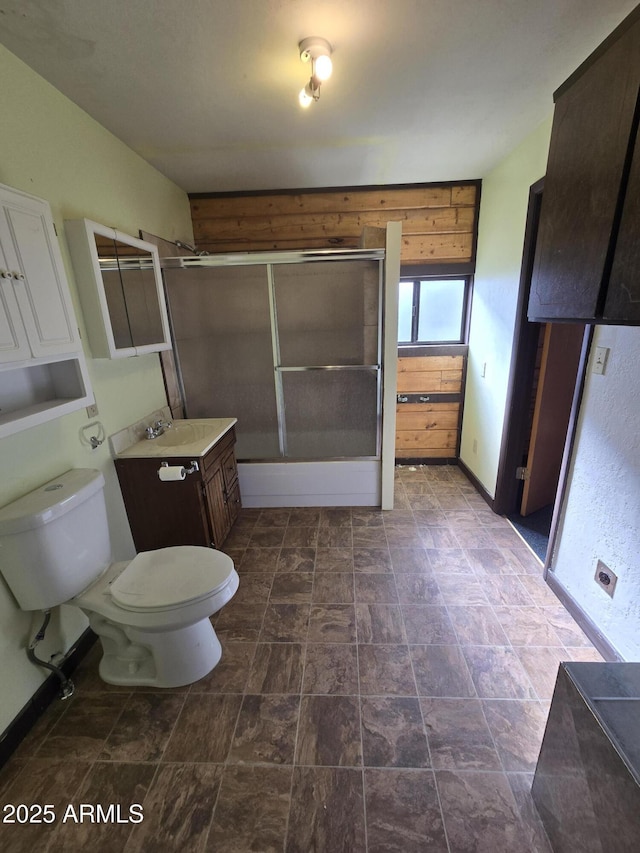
[384, 687]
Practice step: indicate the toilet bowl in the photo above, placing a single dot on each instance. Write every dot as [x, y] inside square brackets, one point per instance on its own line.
[152, 614]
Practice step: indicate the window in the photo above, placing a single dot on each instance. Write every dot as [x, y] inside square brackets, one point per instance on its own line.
[433, 310]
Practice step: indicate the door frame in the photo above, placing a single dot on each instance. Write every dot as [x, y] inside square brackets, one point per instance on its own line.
[523, 359]
[523, 362]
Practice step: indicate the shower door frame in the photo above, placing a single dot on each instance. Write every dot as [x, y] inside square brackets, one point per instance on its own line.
[386, 350]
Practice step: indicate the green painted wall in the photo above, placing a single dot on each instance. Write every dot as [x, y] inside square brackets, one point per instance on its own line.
[54, 150]
[503, 212]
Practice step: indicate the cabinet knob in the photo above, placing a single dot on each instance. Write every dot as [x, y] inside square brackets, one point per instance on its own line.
[6, 274]
[18, 276]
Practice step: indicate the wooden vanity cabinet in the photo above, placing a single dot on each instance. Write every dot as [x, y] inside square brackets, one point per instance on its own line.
[199, 510]
[586, 252]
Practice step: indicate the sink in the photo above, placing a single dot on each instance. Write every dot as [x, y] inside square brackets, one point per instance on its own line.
[178, 435]
[186, 438]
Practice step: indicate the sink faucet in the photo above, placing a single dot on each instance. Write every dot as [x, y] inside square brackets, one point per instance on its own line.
[157, 429]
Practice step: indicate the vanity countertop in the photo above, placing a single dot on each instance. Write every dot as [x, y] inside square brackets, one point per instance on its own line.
[190, 438]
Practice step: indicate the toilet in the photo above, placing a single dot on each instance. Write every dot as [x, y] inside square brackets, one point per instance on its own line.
[151, 613]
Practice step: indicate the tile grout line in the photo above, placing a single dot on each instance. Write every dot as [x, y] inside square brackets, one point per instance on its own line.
[362, 774]
[424, 729]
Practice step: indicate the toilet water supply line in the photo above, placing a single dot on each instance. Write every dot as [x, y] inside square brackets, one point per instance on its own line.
[66, 685]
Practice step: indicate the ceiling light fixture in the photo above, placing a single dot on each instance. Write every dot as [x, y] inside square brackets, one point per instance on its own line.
[318, 52]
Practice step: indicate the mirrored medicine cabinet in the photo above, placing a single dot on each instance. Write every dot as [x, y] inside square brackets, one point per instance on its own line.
[120, 287]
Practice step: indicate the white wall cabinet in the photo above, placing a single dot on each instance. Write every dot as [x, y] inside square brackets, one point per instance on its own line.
[121, 291]
[43, 374]
[31, 257]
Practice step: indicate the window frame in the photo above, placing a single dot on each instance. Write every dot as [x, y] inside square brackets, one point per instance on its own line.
[415, 314]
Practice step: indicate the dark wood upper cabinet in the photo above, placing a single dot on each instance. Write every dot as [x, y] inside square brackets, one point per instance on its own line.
[587, 248]
[623, 294]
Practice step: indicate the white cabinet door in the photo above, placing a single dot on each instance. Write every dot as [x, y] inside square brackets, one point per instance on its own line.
[14, 345]
[32, 255]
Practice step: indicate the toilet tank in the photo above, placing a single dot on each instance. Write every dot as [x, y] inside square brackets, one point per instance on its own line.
[54, 541]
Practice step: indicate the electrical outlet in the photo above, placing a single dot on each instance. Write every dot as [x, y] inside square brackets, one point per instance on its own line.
[600, 361]
[605, 578]
[92, 410]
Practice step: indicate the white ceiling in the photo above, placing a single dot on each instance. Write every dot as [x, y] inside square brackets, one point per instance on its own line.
[206, 90]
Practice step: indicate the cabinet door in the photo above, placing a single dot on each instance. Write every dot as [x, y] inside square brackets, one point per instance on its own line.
[234, 503]
[623, 293]
[162, 514]
[589, 144]
[229, 469]
[14, 345]
[32, 254]
[218, 511]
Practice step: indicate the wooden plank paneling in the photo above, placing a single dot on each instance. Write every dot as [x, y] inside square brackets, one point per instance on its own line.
[416, 421]
[422, 248]
[430, 363]
[394, 198]
[438, 222]
[425, 440]
[433, 453]
[415, 249]
[429, 430]
[430, 381]
[425, 408]
[347, 225]
[463, 195]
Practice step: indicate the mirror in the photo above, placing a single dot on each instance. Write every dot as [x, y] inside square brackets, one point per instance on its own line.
[128, 277]
[121, 286]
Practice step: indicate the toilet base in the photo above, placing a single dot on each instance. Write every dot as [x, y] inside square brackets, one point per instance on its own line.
[134, 656]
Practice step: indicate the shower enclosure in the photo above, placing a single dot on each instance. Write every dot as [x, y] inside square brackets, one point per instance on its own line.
[291, 345]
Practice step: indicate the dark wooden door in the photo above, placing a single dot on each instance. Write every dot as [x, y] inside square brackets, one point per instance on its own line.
[554, 395]
[592, 128]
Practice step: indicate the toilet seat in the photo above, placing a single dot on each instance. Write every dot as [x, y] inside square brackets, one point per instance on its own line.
[171, 577]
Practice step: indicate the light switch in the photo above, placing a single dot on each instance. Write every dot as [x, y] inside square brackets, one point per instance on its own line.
[600, 360]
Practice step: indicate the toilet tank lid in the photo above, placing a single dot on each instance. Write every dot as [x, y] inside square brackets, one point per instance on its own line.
[50, 501]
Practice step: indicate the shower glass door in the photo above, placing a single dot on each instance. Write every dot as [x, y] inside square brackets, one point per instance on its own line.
[222, 335]
[291, 348]
[327, 358]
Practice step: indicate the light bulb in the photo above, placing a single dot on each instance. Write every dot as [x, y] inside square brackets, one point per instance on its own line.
[305, 97]
[323, 67]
